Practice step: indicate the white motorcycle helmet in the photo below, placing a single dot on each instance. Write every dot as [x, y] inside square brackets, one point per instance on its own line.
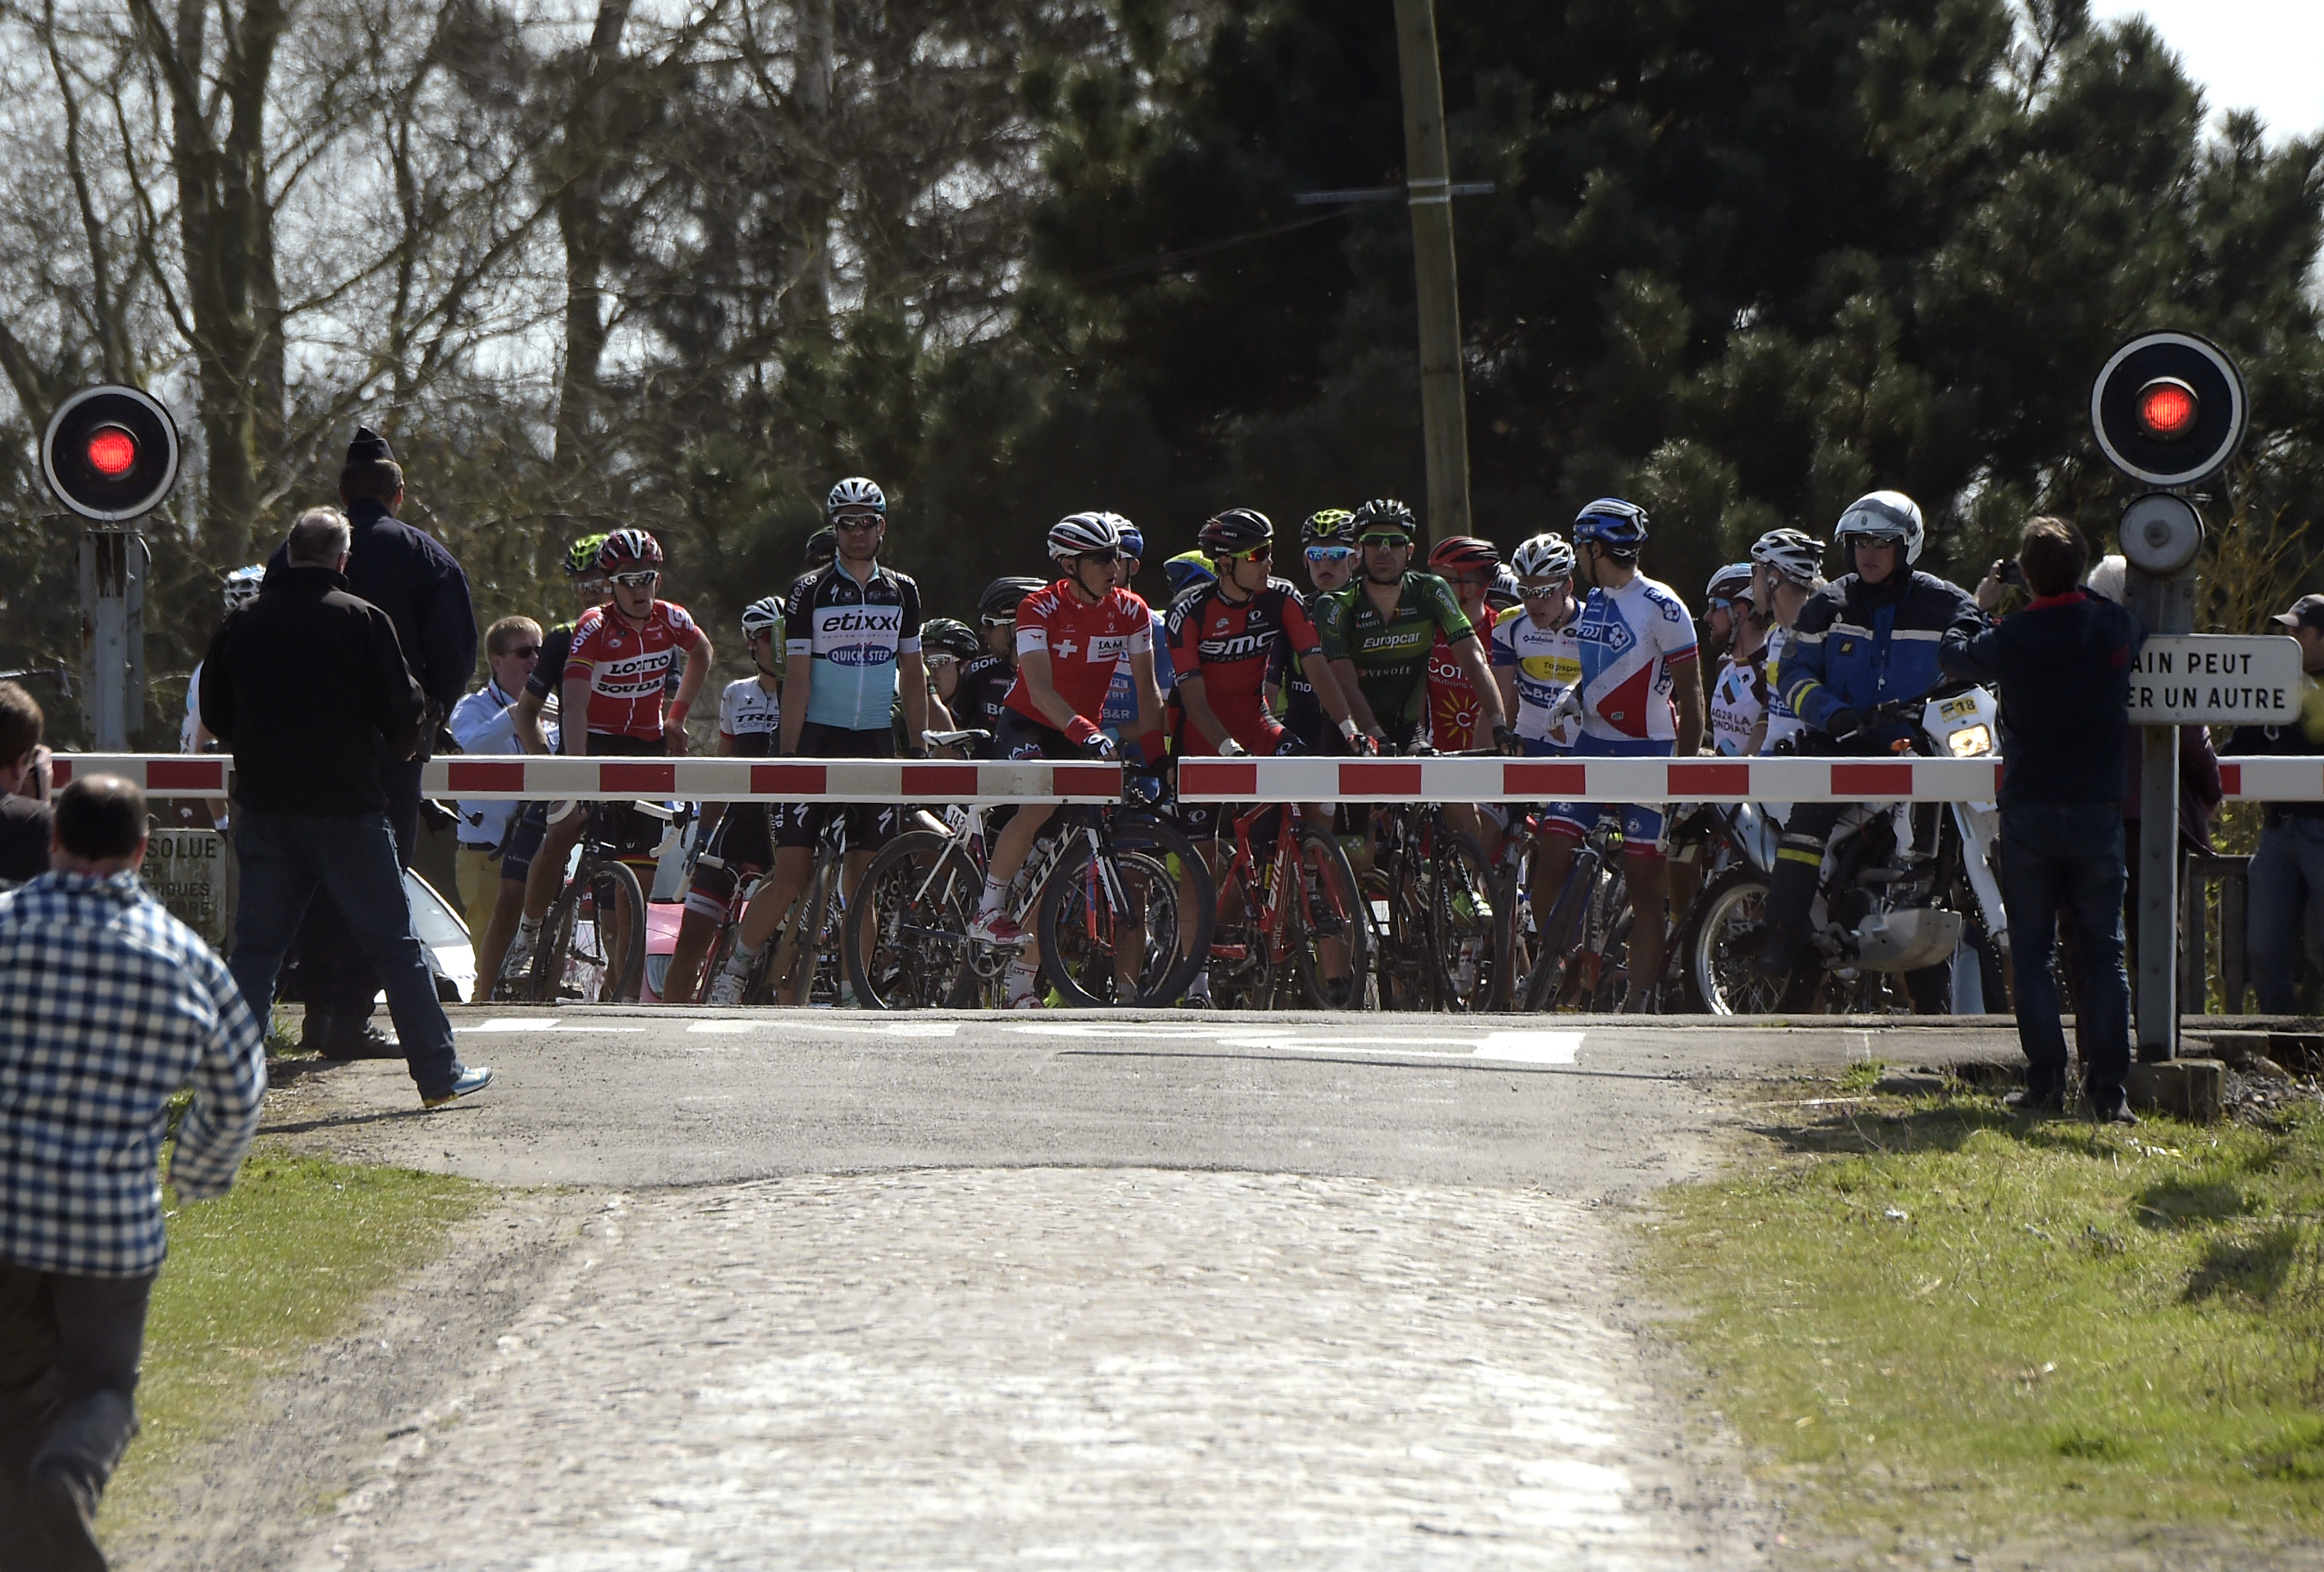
[1883, 516]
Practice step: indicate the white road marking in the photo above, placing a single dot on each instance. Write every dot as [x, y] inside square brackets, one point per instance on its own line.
[735, 1027]
[818, 1025]
[1519, 1047]
[526, 1024]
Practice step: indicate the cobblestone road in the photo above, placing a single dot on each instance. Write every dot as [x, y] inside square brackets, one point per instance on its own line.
[1072, 1367]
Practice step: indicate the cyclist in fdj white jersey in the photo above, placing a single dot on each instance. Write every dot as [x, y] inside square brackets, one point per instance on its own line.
[1641, 697]
[736, 841]
[851, 636]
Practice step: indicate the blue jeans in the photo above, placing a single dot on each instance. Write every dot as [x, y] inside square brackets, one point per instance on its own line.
[2068, 859]
[2287, 900]
[286, 859]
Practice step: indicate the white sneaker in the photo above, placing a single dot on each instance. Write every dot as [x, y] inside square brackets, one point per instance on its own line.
[726, 988]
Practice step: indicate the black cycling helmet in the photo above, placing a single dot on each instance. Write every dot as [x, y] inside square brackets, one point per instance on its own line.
[1237, 529]
[821, 547]
[1328, 525]
[1379, 516]
[953, 636]
[1002, 596]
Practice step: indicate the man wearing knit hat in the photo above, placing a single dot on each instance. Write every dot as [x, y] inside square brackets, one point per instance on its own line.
[408, 573]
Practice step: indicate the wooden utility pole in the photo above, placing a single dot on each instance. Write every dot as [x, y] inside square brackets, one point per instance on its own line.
[1443, 404]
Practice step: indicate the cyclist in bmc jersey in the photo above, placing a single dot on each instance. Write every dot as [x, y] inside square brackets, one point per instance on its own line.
[615, 674]
[1379, 630]
[736, 840]
[1641, 697]
[1070, 637]
[851, 642]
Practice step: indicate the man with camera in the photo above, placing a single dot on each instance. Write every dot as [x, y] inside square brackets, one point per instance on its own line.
[2063, 666]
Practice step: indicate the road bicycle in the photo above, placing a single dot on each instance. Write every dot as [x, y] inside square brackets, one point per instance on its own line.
[1292, 931]
[1581, 958]
[591, 949]
[1120, 903]
[1431, 895]
[801, 964]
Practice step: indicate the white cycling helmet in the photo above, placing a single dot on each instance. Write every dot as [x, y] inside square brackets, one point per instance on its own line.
[242, 586]
[1544, 557]
[1078, 533]
[762, 616]
[1792, 553]
[855, 494]
[1883, 516]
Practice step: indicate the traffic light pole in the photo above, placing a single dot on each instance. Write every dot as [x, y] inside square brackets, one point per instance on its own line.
[1443, 412]
[2163, 605]
[114, 567]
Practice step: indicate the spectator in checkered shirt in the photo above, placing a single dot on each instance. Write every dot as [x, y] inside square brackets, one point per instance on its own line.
[109, 1005]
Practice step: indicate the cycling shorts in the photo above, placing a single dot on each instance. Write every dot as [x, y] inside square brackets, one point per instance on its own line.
[1642, 822]
[1018, 736]
[870, 825]
[743, 844]
[523, 839]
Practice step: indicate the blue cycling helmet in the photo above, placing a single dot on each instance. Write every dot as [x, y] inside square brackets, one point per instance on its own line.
[1133, 538]
[1188, 568]
[1619, 526]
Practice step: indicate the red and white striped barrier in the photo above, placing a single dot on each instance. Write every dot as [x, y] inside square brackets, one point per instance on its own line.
[1466, 780]
[525, 777]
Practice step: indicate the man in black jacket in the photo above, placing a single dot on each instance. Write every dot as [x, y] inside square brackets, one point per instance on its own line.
[307, 686]
[2287, 866]
[2063, 664]
[407, 573]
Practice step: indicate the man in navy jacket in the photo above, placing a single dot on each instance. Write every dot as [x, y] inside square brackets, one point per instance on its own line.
[2063, 664]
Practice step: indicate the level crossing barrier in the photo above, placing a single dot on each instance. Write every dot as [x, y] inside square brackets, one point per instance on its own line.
[1461, 779]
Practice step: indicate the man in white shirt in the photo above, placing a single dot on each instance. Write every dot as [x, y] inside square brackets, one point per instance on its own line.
[484, 722]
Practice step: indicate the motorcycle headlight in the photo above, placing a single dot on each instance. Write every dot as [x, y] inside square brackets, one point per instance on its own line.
[1971, 740]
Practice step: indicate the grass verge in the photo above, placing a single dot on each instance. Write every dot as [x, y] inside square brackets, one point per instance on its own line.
[254, 1279]
[1937, 1321]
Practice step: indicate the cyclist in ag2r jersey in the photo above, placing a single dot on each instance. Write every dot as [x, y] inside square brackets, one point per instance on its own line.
[1379, 630]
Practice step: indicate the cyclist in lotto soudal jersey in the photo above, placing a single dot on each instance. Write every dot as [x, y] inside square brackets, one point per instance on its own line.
[1378, 632]
[615, 677]
[1070, 636]
[1640, 698]
[736, 841]
[1535, 658]
[852, 635]
[1469, 566]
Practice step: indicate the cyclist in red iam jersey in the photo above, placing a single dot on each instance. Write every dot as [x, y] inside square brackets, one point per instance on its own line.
[1070, 637]
[614, 677]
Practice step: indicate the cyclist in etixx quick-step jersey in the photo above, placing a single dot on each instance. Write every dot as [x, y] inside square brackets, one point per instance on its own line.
[736, 842]
[1378, 632]
[1641, 697]
[615, 674]
[851, 630]
[1070, 637]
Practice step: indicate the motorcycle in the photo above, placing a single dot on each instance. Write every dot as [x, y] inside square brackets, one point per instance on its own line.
[1903, 887]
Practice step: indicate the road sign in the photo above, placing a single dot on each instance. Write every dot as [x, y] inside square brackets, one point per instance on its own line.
[2169, 409]
[110, 454]
[2215, 679]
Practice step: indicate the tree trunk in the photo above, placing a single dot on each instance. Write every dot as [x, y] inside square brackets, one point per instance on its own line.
[808, 265]
[581, 224]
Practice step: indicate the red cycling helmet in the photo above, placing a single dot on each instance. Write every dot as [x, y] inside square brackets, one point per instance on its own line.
[627, 550]
[1464, 554]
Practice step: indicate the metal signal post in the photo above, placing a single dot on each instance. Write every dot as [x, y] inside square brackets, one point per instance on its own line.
[111, 455]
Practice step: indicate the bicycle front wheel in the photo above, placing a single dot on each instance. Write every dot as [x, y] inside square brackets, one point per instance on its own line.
[1111, 929]
[1329, 929]
[1461, 924]
[907, 945]
[592, 948]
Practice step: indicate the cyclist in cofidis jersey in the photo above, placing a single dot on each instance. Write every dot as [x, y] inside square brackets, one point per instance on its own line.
[615, 675]
[1070, 637]
[738, 841]
[1379, 630]
[851, 638]
[1641, 697]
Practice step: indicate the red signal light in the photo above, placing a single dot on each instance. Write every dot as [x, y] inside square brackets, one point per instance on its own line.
[111, 452]
[2167, 408]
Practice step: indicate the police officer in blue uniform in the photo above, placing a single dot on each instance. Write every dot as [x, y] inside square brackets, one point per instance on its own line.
[1866, 640]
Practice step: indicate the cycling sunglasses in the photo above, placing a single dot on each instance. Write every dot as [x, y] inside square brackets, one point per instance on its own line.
[1106, 558]
[1330, 553]
[1256, 553]
[857, 521]
[643, 578]
[1386, 541]
[1541, 592]
[934, 661]
[1007, 621]
[524, 651]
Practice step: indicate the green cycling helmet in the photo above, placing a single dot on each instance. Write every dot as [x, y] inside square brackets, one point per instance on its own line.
[581, 556]
[952, 637]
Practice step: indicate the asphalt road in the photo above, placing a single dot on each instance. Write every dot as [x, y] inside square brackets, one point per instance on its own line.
[818, 1290]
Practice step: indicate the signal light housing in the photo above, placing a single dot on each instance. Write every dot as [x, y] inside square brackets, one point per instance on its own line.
[110, 454]
[2167, 408]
